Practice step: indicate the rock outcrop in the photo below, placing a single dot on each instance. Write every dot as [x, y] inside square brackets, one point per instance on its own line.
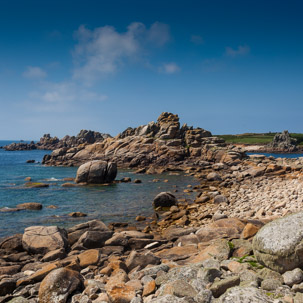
[158, 143]
[51, 143]
[96, 172]
[283, 143]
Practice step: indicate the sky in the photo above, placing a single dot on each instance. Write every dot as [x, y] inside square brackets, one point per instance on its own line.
[226, 66]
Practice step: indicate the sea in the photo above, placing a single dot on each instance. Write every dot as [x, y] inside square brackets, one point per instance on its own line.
[120, 202]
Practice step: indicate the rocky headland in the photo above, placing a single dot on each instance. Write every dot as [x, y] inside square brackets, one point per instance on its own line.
[239, 241]
[50, 143]
[157, 144]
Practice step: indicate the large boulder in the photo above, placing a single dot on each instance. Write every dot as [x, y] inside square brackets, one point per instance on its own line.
[42, 239]
[164, 199]
[245, 295]
[96, 172]
[58, 285]
[279, 244]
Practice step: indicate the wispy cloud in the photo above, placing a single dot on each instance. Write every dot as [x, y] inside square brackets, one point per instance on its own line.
[59, 97]
[240, 51]
[103, 50]
[34, 72]
[196, 39]
[169, 68]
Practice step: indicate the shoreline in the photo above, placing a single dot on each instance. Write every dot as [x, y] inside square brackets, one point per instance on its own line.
[177, 240]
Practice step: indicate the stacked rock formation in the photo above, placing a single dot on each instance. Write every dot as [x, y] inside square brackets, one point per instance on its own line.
[158, 143]
[283, 143]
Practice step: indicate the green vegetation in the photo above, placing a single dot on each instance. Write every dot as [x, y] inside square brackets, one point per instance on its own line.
[250, 260]
[254, 138]
[231, 245]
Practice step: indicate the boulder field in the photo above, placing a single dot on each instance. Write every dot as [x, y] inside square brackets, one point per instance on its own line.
[94, 263]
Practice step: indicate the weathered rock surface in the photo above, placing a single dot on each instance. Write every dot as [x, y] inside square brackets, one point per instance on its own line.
[283, 143]
[245, 295]
[58, 285]
[96, 172]
[42, 239]
[157, 143]
[279, 244]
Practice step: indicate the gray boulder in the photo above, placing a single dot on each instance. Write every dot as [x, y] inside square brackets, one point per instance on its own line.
[164, 199]
[279, 244]
[96, 172]
[244, 295]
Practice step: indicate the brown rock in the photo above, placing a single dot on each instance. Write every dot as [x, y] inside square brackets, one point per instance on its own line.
[92, 239]
[30, 205]
[13, 243]
[219, 249]
[249, 230]
[89, 257]
[9, 270]
[149, 288]
[142, 260]
[39, 275]
[177, 252]
[54, 255]
[77, 214]
[121, 294]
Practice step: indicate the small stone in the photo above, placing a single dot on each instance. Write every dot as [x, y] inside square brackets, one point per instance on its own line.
[292, 277]
[137, 181]
[219, 288]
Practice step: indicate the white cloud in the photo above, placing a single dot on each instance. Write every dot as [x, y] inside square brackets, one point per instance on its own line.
[34, 72]
[240, 51]
[60, 97]
[103, 50]
[169, 68]
[196, 39]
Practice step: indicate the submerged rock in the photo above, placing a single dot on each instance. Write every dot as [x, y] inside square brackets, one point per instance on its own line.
[96, 172]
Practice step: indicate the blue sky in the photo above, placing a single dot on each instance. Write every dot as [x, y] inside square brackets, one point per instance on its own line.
[226, 66]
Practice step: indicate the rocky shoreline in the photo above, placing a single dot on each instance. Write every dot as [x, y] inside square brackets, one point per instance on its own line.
[240, 241]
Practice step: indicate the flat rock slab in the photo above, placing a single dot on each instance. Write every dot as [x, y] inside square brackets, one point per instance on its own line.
[279, 244]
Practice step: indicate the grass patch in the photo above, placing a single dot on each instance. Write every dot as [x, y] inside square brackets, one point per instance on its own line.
[255, 138]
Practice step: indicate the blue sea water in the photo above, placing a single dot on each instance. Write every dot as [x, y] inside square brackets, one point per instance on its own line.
[120, 202]
[278, 155]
